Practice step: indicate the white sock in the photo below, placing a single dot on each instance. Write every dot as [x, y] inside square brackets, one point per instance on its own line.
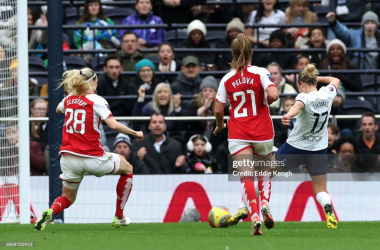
[242, 205]
[323, 198]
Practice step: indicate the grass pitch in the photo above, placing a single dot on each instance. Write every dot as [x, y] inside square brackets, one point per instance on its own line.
[285, 235]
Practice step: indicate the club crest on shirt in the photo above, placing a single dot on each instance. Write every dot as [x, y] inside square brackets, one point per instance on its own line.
[108, 107]
[331, 88]
[270, 77]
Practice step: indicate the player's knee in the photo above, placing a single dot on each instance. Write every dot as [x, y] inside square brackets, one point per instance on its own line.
[125, 166]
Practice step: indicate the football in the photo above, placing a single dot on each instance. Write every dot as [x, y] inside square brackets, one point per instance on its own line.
[219, 216]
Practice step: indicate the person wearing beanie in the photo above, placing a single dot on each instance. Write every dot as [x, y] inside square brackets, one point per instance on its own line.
[145, 77]
[188, 81]
[234, 28]
[204, 105]
[196, 31]
[277, 40]
[338, 60]
[368, 36]
[123, 146]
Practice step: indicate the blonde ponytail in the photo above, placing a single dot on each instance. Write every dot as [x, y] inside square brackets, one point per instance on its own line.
[78, 81]
[309, 75]
[242, 52]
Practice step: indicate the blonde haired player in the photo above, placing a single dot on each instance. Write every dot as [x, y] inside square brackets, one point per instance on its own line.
[81, 148]
[309, 136]
[250, 127]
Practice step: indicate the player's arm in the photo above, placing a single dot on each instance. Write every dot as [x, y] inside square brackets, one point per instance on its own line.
[329, 80]
[272, 93]
[295, 110]
[219, 113]
[58, 109]
[121, 128]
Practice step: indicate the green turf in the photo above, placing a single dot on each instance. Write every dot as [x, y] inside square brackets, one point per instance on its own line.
[285, 235]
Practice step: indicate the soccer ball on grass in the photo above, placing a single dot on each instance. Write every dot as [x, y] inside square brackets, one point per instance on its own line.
[219, 216]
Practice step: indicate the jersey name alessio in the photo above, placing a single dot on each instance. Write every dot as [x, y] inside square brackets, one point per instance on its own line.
[243, 80]
[76, 101]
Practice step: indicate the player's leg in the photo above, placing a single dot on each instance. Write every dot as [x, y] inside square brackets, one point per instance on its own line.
[123, 190]
[317, 167]
[248, 190]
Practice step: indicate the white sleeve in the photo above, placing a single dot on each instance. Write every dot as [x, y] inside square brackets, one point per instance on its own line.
[330, 90]
[251, 18]
[102, 108]
[302, 97]
[62, 106]
[222, 96]
[266, 79]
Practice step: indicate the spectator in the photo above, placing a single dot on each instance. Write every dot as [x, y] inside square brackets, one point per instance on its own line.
[176, 11]
[188, 80]
[333, 131]
[162, 154]
[369, 141]
[267, 13]
[93, 14]
[344, 162]
[129, 53]
[198, 157]
[196, 31]
[33, 83]
[302, 62]
[348, 10]
[298, 13]
[145, 76]
[317, 40]
[148, 38]
[9, 154]
[204, 105]
[283, 131]
[214, 13]
[338, 60]
[111, 83]
[39, 131]
[167, 64]
[285, 60]
[234, 28]
[282, 87]
[366, 37]
[337, 105]
[163, 102]
[37, 38]
[123, 146]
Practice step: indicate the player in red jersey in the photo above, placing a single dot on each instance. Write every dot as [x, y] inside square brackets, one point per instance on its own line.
[81, 148]
[250, 127]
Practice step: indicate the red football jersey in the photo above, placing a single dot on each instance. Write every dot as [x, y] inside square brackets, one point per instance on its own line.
[81, 134]
[250, 119]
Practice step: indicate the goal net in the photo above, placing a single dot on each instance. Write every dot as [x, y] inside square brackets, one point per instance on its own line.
[9, 167]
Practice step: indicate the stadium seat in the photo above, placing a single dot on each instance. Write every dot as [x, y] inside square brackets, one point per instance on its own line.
[36, 64]
[74, 62]
[321, 12]
[66, 38]
[97, 63]
[41, 80]
[214, 35]
[356, 107]
[71, 15]
[153, 58]
[171, 37]
[374, 100]
[117, 15]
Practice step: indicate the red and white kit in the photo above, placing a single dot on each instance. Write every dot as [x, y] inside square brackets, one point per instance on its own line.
[250, 123]
[81, 146]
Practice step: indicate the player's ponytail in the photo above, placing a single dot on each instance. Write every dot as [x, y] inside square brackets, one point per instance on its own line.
[309, 75]
[242, 52]
[78, 81]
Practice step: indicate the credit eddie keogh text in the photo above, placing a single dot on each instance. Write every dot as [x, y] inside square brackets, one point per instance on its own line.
[248, 166]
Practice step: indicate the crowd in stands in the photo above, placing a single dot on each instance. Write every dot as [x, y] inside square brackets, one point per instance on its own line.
[190, 147]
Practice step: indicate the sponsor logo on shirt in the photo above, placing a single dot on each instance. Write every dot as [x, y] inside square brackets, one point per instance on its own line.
[108, 107]
[270, 78]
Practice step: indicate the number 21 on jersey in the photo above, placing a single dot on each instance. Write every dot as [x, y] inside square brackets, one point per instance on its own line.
[244, 111]
[79, 117]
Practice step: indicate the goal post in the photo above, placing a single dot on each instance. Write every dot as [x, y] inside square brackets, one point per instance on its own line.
[23, 110]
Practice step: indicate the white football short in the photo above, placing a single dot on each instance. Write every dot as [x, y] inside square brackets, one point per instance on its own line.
[260, 148]
[74, 167]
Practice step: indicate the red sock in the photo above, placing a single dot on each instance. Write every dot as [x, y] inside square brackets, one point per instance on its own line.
[123, 189]
[249, 194]
[265, 186]
[60, 204]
